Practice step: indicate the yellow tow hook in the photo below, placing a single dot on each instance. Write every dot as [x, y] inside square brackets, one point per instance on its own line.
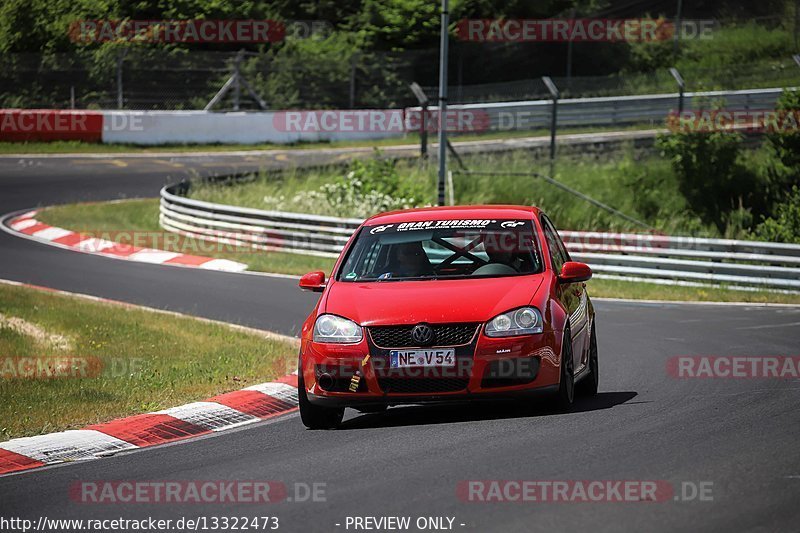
[356, 379]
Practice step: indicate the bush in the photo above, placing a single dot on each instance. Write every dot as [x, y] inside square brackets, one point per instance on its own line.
[710, 174]
[368, 188]
[787, 144]
[785, 226]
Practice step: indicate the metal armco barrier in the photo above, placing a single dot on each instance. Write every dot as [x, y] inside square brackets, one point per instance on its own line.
[657, 258]
[612, 110]
[268, 230]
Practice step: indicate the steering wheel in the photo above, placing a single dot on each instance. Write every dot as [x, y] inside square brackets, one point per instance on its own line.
[494, 269]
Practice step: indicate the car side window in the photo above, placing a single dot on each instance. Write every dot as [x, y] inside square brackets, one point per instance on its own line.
[558, 253]
[561, 246]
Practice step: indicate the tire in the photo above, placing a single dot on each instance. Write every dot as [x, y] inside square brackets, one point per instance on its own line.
[566, 385]
[588, 385]
[315, 416]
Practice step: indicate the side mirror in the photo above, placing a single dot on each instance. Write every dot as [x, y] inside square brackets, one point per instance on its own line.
[574, 272]
[313, 281]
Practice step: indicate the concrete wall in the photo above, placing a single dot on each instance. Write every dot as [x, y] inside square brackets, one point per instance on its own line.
[202, 127]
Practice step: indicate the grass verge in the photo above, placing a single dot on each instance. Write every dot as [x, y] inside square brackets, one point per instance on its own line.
[142, 215]
[149, 361]
[138, 219]
[638, 183]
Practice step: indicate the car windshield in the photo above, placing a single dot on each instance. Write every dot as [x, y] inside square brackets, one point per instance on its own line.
[437, 249]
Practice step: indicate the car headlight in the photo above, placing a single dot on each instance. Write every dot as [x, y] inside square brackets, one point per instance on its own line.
[523, 321]
[338, 330]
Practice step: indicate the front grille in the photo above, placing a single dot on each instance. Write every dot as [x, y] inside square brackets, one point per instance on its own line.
[412, 385]
[443, 335]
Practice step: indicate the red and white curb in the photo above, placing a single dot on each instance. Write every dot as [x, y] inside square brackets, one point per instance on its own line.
[27, 225]
[222, 412]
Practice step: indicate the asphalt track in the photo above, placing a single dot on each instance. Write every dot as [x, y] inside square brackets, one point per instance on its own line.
[739, 434]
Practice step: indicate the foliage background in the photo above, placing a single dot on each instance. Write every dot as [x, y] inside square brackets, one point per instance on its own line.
[385, 44]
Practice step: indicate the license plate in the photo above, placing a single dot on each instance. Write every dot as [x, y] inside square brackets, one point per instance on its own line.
[432, 357]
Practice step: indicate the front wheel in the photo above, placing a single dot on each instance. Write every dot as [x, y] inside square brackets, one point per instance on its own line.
[566, 386]
[315, 416]
[588, 386]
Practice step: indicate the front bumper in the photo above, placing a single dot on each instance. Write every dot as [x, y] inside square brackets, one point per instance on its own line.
[398, 399]
[487, 368]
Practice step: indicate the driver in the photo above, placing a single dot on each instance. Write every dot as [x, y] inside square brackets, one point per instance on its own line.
[409, 260]
[498, 256]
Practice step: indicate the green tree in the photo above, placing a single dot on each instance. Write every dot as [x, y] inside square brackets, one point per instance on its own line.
[710, 175]
[787, 143]
[785, 225]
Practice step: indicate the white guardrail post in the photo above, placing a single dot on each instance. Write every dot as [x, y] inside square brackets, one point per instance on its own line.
[658, 258]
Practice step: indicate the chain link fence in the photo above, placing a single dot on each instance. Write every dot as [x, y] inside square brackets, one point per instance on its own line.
[142, 79]
[333, 75]
[780, 74]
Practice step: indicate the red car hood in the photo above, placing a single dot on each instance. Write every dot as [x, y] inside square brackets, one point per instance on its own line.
[435, 301]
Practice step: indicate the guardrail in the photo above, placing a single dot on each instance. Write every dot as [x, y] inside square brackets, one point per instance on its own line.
[613, 110]
[657, 258]
[241, 226]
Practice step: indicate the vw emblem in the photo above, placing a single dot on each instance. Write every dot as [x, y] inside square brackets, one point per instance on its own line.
[422, 334]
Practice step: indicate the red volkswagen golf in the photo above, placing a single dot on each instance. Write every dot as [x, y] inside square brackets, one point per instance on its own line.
[447, 304]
